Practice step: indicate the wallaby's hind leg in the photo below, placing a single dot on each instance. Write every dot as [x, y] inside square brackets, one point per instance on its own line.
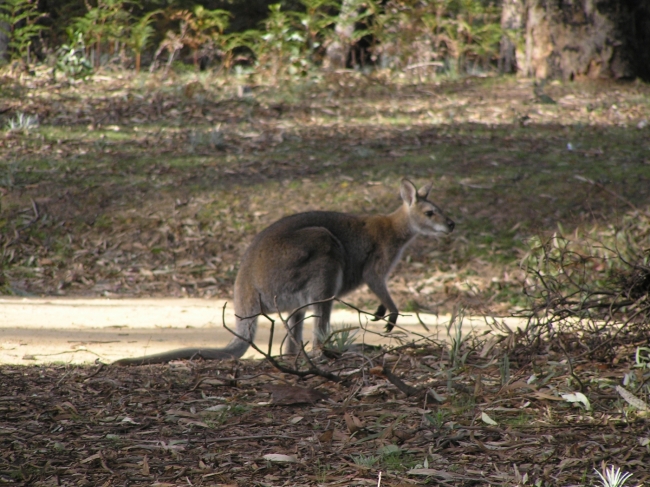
[323, 312]
[246, 329]
[293, 341]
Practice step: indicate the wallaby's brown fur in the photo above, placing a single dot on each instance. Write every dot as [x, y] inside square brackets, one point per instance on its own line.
[309, 258]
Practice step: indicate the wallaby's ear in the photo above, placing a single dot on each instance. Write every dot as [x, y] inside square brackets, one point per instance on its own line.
[408, 192]
[424, 191]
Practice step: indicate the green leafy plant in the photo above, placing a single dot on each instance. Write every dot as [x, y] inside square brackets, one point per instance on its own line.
[199, 29]
[456, 339]
[613, 477]
[22, 121]
[71, 58]
[278, 48]
[105, 24]
[139, 36]
[365, 461]
[20, 19]
[341, 339]
[410, 36]
[316, 21]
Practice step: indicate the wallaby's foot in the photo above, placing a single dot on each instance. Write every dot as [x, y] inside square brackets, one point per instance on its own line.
[380, 313]
[392, 319]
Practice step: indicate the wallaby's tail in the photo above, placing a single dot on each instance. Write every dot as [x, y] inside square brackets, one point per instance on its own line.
[188, 353]
[235, 349]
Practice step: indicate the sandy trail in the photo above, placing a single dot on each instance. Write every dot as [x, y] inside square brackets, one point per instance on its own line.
[63, 330]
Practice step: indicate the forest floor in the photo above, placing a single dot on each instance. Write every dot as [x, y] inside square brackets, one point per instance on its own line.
[143, 187]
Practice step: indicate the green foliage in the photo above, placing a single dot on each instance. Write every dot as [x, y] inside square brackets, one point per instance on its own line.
[139, 36]
[456, 339]
[365, 461]
[201, 30]
[290, 43]
[341, 339]
[278, 47]
[22, 121]
[456, 35]
[20, 16]
[71, 58]
[104, 25]
[316, 21]
[438, 418]
[408, 36]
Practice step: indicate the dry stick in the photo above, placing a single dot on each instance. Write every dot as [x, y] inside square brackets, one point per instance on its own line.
[401, 385]
[609, 191]
[422, 322]
[396, 381]
[571, 370]
[384, 318]
[606, 342]
[287, 370]
[437, 64]
[258, 437]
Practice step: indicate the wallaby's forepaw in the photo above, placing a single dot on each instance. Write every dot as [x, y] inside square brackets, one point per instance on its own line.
[392, 319]
[380, 313]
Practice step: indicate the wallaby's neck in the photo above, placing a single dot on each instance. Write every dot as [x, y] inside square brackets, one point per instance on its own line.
[399, 221]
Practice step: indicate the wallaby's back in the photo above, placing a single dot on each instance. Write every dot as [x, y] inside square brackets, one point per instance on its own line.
[293, 242]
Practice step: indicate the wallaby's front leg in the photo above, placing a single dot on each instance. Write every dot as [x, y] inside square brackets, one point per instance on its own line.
[378, 286]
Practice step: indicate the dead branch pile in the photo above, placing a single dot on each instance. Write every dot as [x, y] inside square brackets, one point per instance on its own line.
[586, 293]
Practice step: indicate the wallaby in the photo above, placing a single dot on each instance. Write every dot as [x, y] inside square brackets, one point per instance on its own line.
[312, 257]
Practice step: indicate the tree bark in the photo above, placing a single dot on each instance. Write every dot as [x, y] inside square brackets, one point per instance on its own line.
[512, 13]
[572, 39]
[337, 52]
[4, 41]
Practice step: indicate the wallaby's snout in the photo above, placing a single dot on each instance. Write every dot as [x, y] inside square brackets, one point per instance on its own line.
[450, 224]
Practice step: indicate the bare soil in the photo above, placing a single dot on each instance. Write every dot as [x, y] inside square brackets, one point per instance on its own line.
[77, 331]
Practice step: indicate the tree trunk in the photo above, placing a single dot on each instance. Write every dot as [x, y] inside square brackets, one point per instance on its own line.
[4, 41]
[512, 13]
[571, 39]
[337, 52]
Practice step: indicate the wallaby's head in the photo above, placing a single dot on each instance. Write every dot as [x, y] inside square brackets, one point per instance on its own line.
[424, 217]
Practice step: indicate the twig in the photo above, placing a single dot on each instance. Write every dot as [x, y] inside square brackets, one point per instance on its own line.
[314, 371]
[609, 191]
[571, 370]
[257, 437]
[437, 64]
[400, 384]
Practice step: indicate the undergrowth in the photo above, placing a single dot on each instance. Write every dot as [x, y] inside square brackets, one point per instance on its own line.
[590, 287]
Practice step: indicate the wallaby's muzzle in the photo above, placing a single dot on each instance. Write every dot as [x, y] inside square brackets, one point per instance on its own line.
[451, 225]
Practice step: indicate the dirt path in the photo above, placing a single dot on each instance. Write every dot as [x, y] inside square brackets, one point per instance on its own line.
[50, 330]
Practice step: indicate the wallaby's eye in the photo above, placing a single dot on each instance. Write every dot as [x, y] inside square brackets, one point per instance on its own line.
[429, 213]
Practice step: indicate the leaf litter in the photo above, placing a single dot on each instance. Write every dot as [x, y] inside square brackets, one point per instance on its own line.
[245, 423]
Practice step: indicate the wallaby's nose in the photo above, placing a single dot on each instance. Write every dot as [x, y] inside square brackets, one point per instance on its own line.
[450, 224]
